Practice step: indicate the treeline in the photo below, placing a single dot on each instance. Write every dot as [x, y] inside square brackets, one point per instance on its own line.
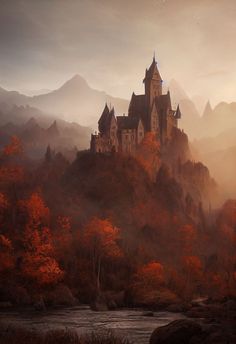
[103, 229]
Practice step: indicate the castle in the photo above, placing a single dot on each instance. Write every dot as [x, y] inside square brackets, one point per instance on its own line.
[149, 112]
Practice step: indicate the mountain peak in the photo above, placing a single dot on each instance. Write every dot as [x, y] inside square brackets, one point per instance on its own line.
[31, 123]
[75, 82]
[53, 129]
[208, 109]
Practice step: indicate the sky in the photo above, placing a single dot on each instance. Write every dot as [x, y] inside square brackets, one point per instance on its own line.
[43, 43]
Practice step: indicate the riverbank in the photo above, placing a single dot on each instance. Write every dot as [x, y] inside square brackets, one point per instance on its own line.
[132, 324]
[13, 335]
[212, 319]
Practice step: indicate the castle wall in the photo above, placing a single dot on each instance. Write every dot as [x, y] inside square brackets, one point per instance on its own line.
[153, 108]
[113, 134]
[140, 133]
[154, 119]
[128, 141]
[171, 123]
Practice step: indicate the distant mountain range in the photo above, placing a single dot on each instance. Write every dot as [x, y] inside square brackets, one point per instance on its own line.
[46, 119]
[74, 101]
[219, 154]
[37, 130]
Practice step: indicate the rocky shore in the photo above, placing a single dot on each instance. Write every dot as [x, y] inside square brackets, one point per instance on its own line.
[208, 322]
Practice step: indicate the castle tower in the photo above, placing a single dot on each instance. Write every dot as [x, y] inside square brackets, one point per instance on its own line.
[153, 83]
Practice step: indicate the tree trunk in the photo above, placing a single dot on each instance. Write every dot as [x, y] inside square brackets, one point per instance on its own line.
[98, 274]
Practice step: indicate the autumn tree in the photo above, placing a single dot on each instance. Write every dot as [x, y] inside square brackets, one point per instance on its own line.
[101, 239]
[38, 261]
[148, 286]
[64, 245]
[13, 148]
[148, 154]
[187, 236]
[10, 171]
[226, 247]
[7, 259]
[4, 205]
[192, 269]
[150, 275]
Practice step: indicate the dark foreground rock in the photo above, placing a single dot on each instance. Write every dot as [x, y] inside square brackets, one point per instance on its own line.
[191, 332]
[178, 331]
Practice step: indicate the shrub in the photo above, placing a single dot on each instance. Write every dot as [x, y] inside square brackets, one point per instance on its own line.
[15, 335]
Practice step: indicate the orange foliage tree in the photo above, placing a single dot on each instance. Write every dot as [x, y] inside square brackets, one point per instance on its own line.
[151, 275]
[187, 236]
[100, 238]
[64, 244]
[10, 172]
[38, 263]
[147, 283]
[14, 147]
[148, 154]
[7, 260]
[192, 268]
[4, 205]
[226, 248]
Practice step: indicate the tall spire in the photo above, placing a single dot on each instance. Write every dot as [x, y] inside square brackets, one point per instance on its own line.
[150, 71]
[178, 113]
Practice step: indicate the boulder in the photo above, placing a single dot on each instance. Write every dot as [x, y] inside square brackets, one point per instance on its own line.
[61, 296]
[175, 308]
[39, 305]
[148, 314]
[99, 306]
[113, 299]
[177, 332]
[5, 304]
[197, 312]
[230, 305]
[20, 296]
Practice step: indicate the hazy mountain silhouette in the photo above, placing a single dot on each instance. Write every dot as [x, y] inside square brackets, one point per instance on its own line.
[75, 101]
[12, 97]
[37, 129]
[219, 154]
[222, 165]
[190, 120]
[217, 120]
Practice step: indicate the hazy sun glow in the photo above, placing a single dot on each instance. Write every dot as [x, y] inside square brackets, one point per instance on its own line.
[110, 43]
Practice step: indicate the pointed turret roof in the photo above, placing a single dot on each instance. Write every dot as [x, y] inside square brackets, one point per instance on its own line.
[104, 114]
[105, 118]
[137, 105]
[178, 113]
[151, 70]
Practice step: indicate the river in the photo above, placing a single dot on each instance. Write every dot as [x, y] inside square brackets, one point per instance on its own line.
[128, 323]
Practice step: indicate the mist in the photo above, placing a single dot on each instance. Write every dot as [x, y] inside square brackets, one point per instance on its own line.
[110, 43]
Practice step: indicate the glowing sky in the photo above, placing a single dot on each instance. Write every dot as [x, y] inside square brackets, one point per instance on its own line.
[111, 42]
